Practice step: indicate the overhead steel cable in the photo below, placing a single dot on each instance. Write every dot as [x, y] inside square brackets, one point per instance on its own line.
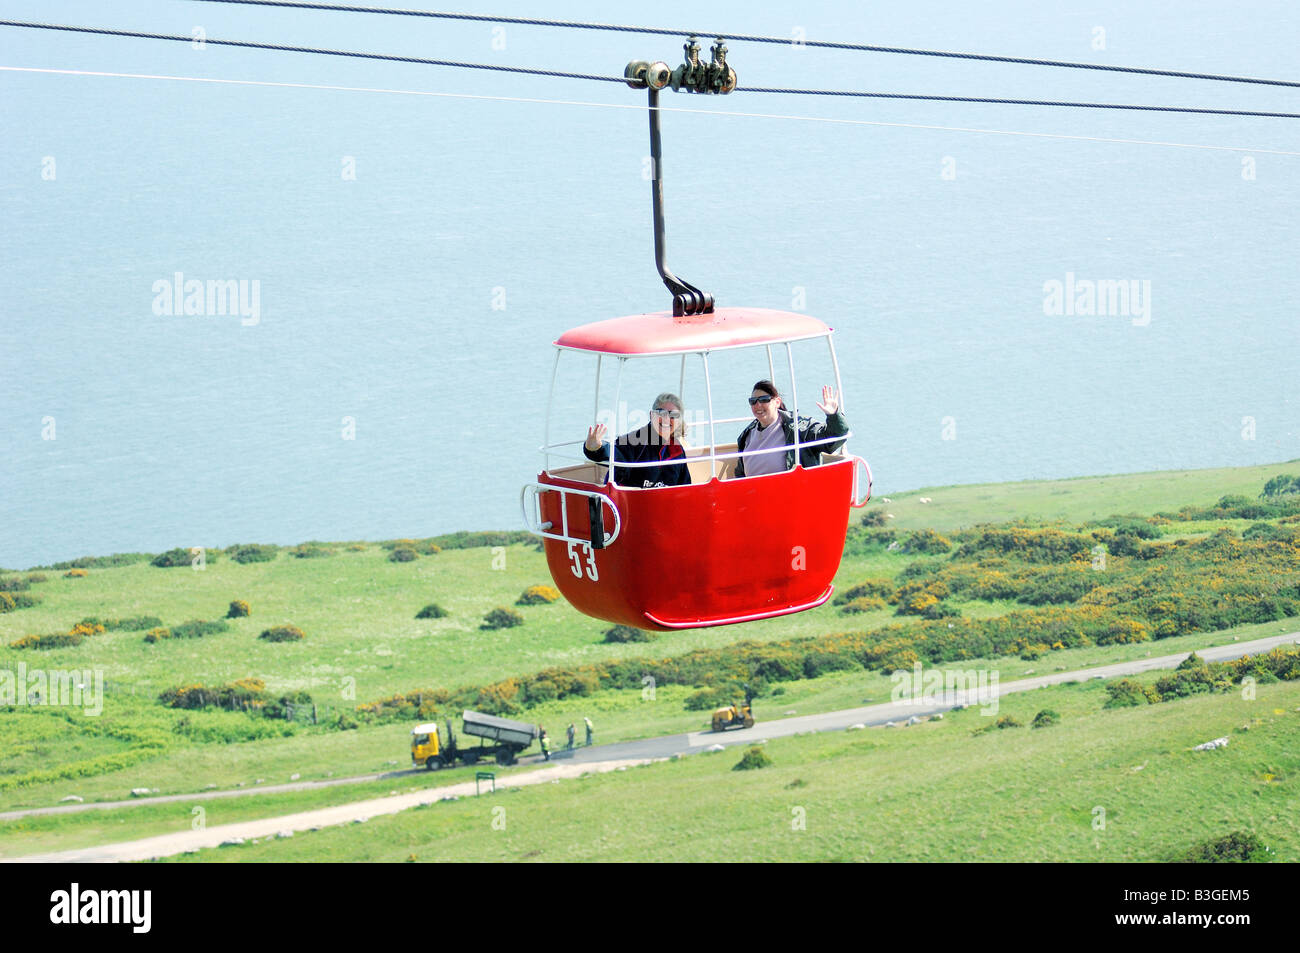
[309, 49]
[1026, 102]
[833, 120]
[921, 97]
[750, 38]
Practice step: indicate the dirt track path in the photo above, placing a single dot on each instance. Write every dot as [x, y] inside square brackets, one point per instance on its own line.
[571, 764]
[166, 845]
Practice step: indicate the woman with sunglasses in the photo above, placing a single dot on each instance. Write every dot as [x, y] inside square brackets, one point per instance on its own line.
[772, 446]
[659, 443]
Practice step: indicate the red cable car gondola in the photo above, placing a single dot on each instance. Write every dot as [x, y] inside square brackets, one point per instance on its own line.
[720, 550]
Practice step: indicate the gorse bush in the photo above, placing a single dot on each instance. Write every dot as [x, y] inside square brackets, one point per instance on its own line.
[311, 551]
[501, 618]
[862, 604]
[252, 552]
[282, 633]
[402, 555]
[878, 588]
[1238, 847]
[173, 558]
[753, 759]
[707, 699]
[432, 611]
[197, 629]
[537, 596]
[927, 541]
[1045, 718]
[238, 609]
[135, 623]
[75, 574]
[627, 633]
[157, 634]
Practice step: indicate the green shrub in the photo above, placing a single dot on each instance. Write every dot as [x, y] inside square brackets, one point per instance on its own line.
[874, 518]
[1007, 721]
[134, 623]
[238, 609]
[880, 587]
[862, 604]
[627, 633]
[816, 664]
[927, 541]
[14, 584]
[1126, 693]
[52, 640]
[244, 693]
[501, 618]
[36, 577]
[197, 628]
[707, 699]
[311, 551]
[754, 759]
[432, 611]
[282, 633]
[173, 558]
[538, 595]
[402, 555]
[252, 552]
[1238, 847]
[1045, 718]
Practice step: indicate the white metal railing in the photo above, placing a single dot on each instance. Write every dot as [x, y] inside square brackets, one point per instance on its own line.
[858, 500]
[549, 451]
[533, 515]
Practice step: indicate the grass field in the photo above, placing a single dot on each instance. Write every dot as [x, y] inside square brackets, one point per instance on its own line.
[363, 643]
[930, 792]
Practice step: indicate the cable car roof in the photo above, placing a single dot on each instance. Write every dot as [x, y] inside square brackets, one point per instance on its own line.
[660, 333]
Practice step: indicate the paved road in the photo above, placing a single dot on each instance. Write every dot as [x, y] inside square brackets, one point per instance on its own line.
[596, 759]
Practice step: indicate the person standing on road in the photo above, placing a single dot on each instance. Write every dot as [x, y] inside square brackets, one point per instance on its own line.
[571, 733]
[546, 745]
[587, 721]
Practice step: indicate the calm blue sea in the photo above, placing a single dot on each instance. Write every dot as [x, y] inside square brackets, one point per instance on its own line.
[414, 256]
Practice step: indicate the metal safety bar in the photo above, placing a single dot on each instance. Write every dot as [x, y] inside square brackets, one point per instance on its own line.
[599, 539]
[857, 482]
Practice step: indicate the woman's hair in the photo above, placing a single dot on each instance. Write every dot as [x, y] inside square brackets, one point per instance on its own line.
[667, 397]
[767, 387]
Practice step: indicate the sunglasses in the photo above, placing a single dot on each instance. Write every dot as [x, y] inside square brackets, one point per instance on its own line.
[760, 400]
[670, 414]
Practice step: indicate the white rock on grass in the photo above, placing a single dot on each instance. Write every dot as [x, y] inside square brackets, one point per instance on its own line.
[715, 747]
[937, 717]
[792, 712]
[71, 797]
[1211, 745]
[889, 724]
[285, 834]
[914, 720]
[857, 727]
[139, 792]
[295, 776]
[232, 842]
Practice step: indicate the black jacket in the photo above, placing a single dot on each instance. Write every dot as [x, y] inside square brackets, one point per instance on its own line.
[643, 446]
[809, 430]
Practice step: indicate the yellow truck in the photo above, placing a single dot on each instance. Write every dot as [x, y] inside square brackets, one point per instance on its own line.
[435, 749]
